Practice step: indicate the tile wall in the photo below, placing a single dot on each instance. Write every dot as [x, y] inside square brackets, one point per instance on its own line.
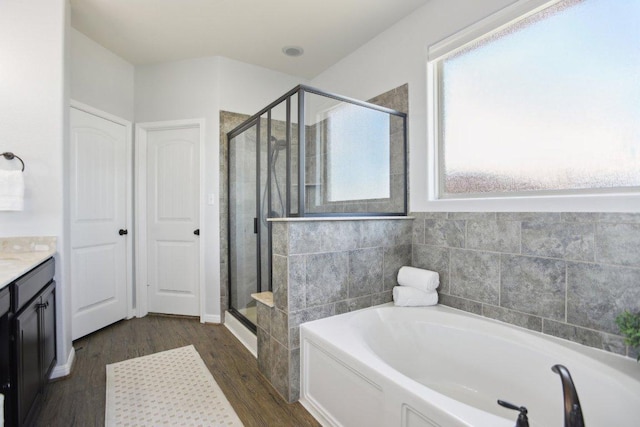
[563, 274]
[320, 269]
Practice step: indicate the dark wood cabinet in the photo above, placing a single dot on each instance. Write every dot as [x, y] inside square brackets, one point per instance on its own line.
[31, 340]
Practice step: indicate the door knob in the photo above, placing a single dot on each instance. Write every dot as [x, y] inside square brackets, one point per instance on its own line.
[196, 232]
[122, 232]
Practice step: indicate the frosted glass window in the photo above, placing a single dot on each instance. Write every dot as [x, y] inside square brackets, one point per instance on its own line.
[358, 154]
[549, 103]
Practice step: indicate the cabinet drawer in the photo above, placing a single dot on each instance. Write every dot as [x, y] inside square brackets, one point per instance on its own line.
[5, 301]
[28, 286]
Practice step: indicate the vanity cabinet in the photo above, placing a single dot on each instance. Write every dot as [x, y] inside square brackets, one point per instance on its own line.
[32, 341]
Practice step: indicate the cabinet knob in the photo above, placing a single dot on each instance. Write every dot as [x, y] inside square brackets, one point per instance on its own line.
[196, 232]
[122, 232]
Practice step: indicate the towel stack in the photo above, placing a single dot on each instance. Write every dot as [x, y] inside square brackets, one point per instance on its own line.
[417, 287]
[11, 190]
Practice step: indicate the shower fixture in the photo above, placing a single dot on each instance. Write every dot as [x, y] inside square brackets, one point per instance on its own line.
[277, 145]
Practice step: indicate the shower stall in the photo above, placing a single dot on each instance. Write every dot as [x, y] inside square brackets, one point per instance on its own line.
[308, 154]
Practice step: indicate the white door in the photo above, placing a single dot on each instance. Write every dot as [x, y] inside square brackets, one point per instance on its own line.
[98, 193]
[173, 220]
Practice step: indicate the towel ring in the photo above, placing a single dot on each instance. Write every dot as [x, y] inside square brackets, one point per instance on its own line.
[10, 156]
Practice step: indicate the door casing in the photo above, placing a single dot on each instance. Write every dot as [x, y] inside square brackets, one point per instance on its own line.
[140, 233]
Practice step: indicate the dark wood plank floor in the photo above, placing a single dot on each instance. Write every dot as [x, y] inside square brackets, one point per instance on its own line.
[79, 400]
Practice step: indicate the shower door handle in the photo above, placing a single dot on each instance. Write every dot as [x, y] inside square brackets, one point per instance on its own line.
[255, 225]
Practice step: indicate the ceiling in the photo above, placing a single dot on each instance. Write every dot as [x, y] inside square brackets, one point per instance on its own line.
[252, 31]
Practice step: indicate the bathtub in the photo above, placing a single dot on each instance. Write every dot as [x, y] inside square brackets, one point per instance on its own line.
[437, 366]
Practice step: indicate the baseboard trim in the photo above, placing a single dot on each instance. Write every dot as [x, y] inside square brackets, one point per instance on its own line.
[211, 318]
[60, 371]
[244, 335]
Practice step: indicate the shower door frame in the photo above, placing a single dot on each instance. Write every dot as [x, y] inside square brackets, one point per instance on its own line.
[248, 124]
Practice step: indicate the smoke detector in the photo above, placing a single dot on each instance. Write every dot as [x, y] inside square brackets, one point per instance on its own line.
[292, 51]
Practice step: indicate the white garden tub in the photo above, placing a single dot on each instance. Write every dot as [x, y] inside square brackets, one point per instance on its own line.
[437, 366]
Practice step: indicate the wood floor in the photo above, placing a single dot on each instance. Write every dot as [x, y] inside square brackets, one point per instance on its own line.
[79, 400]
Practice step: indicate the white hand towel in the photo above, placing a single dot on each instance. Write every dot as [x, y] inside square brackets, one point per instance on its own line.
[11, 190]
[405, 296]
[425, 280]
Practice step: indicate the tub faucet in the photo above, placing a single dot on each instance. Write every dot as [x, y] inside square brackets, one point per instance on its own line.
[522, 420]
[572, 409]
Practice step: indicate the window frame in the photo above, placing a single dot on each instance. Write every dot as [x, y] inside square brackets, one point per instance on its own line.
[616, 199]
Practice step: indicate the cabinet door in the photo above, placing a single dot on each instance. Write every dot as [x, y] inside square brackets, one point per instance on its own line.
[48, 332]
[28, 358]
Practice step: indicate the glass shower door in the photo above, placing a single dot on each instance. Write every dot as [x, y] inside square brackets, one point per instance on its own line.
[244, 232]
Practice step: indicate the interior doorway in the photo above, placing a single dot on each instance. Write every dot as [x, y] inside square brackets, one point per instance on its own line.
[169, 251]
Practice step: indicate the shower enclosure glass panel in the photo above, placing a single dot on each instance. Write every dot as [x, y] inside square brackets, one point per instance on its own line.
[309, 153]
[354, 158]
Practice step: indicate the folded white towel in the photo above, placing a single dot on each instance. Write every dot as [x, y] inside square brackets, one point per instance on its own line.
[11, 190]
[425, 280]
[405, 296]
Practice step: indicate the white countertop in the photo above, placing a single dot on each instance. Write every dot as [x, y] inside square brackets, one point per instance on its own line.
[18, 255]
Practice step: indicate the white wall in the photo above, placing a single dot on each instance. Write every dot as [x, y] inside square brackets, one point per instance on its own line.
[100, 78]
[33, 111]
[399, 56]
[200, 88]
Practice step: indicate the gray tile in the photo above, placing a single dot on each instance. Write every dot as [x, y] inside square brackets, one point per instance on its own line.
[596, 294]
[475, 275]
[460, 303]
[512, 317]
[435, 259]
[444, 233]
[498, 236]
[264, 353]
[418, 231]
[360, 303]
[341, 307]
[279, 275]
[559, 240]
[264, 317]
[618, 244]
[572, 333]
[430, 215]
[297, 282]
[316, 237]
[280, 238]
[394, 258]
[620, 217]
[478, 216]
[533, 285]
[280, 326]
[614, 344]
[391, 232]
[529, 216]
[580, 216]
[280, 369]
[311, 314]
[294, 376]
[294, 338]
[381, 298]
[372, 233]
[396, 152]
[634, 353]
[327, 278]
[365, 272]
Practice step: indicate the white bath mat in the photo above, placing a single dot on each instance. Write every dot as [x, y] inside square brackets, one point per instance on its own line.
[170, 388]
